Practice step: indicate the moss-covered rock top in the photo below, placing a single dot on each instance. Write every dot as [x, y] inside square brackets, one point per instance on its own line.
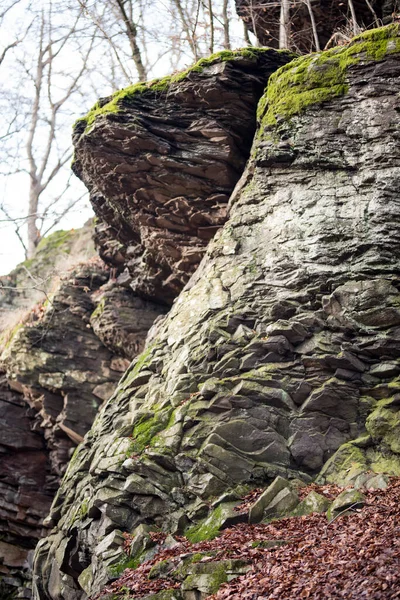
[322, 76]
[112, 104]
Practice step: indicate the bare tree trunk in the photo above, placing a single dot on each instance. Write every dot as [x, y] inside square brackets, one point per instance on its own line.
[253, 17]
[33, 170]
[190, 35]
[313, 25]
[225, 16]
[210, 10]
[33, 231]
[42, 168]
[131, 31]
[284, 24]
[356, 28]
[373, 12]
[246, 34]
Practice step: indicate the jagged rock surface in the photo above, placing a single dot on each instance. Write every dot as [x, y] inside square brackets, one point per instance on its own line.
[27, 487]
[275, 353]
[122, 320]
[160, 170]
[59, 372]
[30, 281]
[60, 365]
[263, 18]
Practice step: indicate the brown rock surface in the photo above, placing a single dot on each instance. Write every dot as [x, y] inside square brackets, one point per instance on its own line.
[27, 486]
[274, 356]
[161, 164]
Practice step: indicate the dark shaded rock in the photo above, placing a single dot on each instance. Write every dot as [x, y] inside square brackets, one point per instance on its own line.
[122, 320]
[27, 486]
[161, 164]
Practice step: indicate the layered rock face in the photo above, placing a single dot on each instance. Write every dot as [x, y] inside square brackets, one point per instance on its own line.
[283, 348]
[161, 161]
[68, 359]
[27, 487]
[331, 17]
[61, 367]
[61, 363]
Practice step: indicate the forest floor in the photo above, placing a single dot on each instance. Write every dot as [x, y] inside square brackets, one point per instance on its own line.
[355, 556]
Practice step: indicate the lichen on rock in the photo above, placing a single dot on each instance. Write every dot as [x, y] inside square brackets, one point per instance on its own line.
[273, 360]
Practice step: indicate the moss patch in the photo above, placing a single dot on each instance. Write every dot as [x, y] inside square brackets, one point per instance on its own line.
[146, 429]
[208, 529]
[114, 103]
[384, 424]
[322, 76]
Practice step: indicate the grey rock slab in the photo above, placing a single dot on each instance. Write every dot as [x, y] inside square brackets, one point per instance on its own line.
[257, 510]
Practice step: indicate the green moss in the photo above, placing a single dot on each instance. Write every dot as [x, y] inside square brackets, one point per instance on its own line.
[80, 512]
[138, 364]
[208, 529]
[124, 563]
[8, 336]
[216, 578]
[54, 241]
[389, 465]
[98, 311]
[117, 100]
[321, 76]
[146, 429]
[347, 462]
[159, 569]
[384, 424]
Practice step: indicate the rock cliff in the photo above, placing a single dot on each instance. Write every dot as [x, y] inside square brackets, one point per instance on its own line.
[61, 361]
[281, 355]
[161, 160]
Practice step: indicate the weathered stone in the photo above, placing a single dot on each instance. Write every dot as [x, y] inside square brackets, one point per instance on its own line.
[122, 320]
[267, 500]
[205, 579]
[222, 517]
[312, 503]
[182, 157]
[347, 500]
[312, 237]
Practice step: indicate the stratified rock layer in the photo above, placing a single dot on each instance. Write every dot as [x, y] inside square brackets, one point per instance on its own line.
[27, 487]
[122, 320]
[162, 162]
[62, 362]
[277, 350]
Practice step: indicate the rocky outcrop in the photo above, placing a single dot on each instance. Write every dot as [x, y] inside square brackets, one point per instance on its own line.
[67, 362]
[161, 160]
[332, 20]
[122, 320]
[58, 372]
[31, 280]
[27, 488]
[61, 367]
[278, 350]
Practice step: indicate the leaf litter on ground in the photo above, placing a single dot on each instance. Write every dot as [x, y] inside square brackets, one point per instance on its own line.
[354, 557]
